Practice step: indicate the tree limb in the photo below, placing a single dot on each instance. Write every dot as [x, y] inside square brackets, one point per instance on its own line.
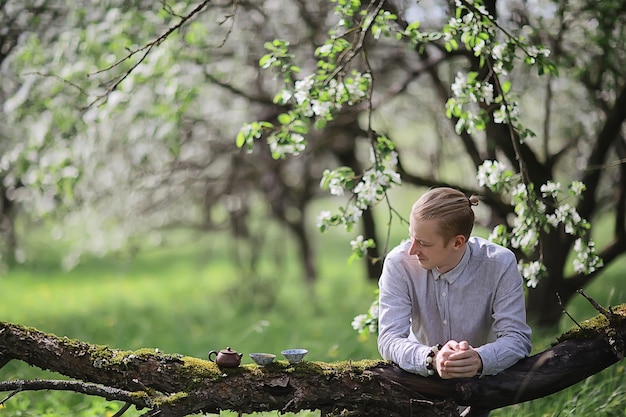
[105, 392]
[175, 385]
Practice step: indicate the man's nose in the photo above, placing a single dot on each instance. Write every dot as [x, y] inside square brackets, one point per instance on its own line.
[413, 249]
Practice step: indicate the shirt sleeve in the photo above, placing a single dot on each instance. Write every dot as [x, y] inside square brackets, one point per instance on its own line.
[394, 322]
[513, 335]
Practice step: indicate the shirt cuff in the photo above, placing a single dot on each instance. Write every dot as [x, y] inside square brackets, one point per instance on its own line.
[422, 356]
[486, 353]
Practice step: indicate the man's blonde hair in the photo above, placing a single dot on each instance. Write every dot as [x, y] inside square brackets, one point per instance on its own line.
[450, 208]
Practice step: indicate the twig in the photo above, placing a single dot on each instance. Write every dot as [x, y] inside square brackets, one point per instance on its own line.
[230, 17]
[565, 311]
[616, 342]
[68, 82]
[606, 313]
[10, 395]
[141, 385]
[145, 50]
[122, 410]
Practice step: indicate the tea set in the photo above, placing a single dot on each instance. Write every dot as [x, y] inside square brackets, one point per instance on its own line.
[229, 358]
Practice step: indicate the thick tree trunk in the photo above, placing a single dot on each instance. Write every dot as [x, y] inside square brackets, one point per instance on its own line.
[174, 385]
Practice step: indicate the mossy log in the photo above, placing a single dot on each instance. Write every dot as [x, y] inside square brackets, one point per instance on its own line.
[171, 385]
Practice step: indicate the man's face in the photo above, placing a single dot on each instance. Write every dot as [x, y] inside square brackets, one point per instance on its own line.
[430, 248]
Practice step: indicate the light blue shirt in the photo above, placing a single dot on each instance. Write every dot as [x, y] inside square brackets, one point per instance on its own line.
[481, 300]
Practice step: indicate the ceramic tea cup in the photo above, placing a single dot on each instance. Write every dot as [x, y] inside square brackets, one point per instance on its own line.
[294, 355]
[262, 359]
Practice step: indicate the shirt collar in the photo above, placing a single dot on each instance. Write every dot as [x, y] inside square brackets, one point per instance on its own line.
[455, 272]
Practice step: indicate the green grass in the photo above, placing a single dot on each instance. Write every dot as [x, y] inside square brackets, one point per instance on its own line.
[189, 299]
[601, 395]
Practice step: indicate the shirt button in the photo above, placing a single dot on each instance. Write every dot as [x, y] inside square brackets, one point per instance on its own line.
[445, 322]
[443, 294]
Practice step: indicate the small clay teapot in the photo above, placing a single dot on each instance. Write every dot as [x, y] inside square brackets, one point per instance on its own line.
[226, 358]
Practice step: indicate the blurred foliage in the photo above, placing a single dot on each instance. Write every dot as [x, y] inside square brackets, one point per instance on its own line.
[120, 119]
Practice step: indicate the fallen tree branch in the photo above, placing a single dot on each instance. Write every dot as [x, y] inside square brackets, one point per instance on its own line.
[175, 385]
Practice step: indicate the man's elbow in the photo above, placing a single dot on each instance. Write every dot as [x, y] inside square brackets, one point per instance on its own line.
[383, 347]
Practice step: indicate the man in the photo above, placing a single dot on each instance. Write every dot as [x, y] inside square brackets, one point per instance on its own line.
[451, 304]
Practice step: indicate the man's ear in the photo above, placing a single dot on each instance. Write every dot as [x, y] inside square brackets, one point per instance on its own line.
[459, 241]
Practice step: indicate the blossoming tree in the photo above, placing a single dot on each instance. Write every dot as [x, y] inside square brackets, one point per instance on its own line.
[543, 221]
[359, 97]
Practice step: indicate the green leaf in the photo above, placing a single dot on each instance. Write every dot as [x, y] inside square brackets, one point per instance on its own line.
[320, 124]
[241, 139]
[506, 86]
[413, 26]
[265, 60]
[284, 118]
[299, 127]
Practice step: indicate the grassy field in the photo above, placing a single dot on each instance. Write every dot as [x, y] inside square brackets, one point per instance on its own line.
[190, 300]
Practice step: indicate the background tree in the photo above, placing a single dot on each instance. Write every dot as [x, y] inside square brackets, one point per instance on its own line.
[17, 19]
[130, 114]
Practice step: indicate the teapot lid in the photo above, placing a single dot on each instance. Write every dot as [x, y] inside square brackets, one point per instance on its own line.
[228, 351]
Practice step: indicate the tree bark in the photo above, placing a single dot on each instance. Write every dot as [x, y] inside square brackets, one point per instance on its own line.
[171, 385]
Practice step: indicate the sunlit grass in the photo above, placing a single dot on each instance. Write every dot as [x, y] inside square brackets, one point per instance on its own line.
[601, 395]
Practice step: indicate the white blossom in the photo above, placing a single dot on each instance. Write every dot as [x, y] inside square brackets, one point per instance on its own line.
[459, 84]
[587, 261]
[322, 108]
[336, 186]
[497, 51]
[324, 49]
[479, 46]
[359, 322]
[552, 220]
[303, 89]
[490, 173]
[323, 219]
[531, 272]
[577, 187]
[352, 214]
[499, 115]
[487, 93]
[283, 97]
[525, 237]
[293, 146]
[373, 311]
[550, 189]
[392, 160]
[357, 243]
